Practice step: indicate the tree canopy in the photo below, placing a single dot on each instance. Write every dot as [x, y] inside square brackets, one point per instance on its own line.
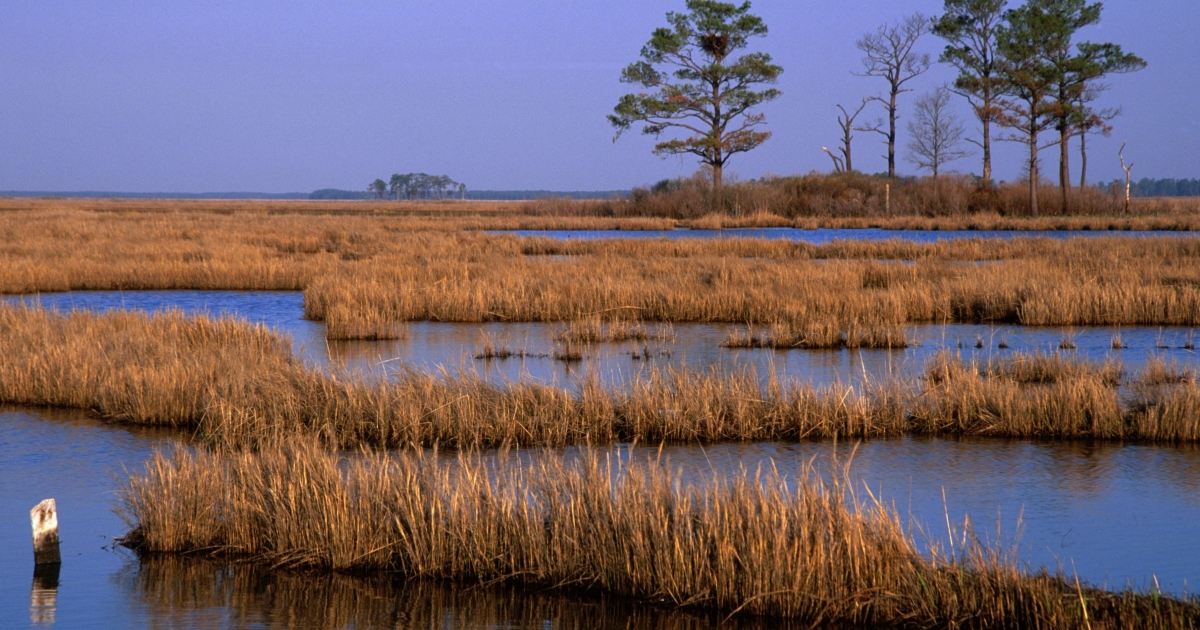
[696, 86]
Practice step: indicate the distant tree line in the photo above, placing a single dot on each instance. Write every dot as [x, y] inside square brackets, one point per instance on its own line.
[485, 195]
[1147, 187]
[416, 186]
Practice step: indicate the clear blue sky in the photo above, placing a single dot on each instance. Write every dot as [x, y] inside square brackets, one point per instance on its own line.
[278, 96]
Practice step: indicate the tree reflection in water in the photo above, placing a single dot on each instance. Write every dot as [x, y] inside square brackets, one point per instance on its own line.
[181, 591]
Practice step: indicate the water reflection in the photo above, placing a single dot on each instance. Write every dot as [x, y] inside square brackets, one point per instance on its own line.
[43, 596]
[192, 592]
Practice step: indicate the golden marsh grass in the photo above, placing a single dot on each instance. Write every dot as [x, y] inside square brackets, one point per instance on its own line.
[240, 383]
[756, 543]
[364, 272]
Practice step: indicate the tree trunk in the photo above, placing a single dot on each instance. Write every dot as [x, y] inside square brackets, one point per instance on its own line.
[892, 135]
[987, 153]
[1083, 160]
[1033, 170]
[1064, 167]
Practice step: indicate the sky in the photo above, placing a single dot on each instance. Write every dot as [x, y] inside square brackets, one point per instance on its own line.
[296, 95]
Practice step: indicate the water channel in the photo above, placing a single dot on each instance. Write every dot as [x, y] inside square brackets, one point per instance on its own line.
[1115, 514]
[827, 235]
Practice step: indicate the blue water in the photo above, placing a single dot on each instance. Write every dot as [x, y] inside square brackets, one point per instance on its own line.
[826, 235]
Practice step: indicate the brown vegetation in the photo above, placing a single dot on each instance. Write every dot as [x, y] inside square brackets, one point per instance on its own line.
[836, 287]
[756, 544]
[365, 274]
[857, 195]
[237, 383]
[817, 336]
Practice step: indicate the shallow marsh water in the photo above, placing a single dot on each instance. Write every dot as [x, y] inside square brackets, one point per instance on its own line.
[827, 235]
[1115, 514]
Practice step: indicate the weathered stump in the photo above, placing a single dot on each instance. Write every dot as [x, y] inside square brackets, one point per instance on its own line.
[44, 518]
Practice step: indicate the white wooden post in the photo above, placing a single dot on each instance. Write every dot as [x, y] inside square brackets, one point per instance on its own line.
[44, 518]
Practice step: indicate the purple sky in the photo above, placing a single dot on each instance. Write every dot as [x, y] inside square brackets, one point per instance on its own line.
[278, 96]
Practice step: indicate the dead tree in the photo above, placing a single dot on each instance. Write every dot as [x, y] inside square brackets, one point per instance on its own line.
[936, 133]
[837, 161]
[846, 123]
[890, 53]
[1128, 175]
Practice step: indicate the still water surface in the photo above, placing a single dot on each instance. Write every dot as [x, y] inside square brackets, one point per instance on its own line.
[1115, 514]
[826, 235]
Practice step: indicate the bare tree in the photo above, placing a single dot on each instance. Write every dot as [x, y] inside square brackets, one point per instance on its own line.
[890, 53]
[936, 132]
[837, 161]
[1128, 175]
[846, 123]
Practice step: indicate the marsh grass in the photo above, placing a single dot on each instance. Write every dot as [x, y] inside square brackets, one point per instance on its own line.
[568, 354]
[364, 271]
[235, 383]
[810, 289]
[349, 325]
[780, 336]
[756, 543]
[496, 347]
[595, 330]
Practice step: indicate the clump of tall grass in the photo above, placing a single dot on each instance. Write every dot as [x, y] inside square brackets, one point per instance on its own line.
[757, 544]
[594, 330]
[1159, 372]
[165, 368]
[1038, 367]
[495, 347]
[342, 325]
[818, 336]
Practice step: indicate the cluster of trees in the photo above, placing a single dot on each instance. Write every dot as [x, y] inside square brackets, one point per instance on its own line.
[1147, 187]
[1022, 70]
[416, 186]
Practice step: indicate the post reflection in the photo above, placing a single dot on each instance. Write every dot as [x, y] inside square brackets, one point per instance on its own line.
[183, 591]
[43, 596]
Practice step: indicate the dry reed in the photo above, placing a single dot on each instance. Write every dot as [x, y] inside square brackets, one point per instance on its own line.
[757, 544]
[365, 272]
[239, 383]
[1041, 282]
[818, 336]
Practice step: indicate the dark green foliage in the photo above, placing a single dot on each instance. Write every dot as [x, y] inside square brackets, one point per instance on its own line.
[334, 193]
[969, 28]
[699, 91]
[423, 186]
